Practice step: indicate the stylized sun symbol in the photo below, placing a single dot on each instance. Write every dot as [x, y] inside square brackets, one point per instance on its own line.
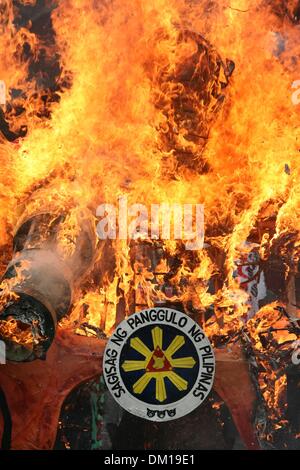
[158, 364]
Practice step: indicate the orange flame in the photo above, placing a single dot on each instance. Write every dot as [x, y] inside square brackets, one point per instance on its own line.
[122, 118]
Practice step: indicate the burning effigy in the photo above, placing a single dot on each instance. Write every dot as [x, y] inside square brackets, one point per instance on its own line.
[149, 175]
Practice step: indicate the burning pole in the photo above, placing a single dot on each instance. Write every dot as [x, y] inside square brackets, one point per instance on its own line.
[52, 254]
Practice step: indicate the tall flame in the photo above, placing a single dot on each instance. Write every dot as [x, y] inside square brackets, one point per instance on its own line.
[95, 111]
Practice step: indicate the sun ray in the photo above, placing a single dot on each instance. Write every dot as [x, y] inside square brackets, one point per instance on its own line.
[157, 337]
[129, 366]
[178, 381]
[160, 389]
[183, 362]
[176, 344]
[158, 364]
[140, 347]
[142, 383]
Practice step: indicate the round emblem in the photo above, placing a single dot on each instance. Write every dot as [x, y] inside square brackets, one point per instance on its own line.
[159, 365]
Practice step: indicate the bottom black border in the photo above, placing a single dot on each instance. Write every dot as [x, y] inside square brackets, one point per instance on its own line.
[99, 459]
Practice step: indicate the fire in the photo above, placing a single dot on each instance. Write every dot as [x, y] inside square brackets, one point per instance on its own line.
[18, 332]
[172, 101]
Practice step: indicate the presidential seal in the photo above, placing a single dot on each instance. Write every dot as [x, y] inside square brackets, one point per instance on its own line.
[159, 365]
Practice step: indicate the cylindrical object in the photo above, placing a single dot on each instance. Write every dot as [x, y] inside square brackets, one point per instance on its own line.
[51, 256]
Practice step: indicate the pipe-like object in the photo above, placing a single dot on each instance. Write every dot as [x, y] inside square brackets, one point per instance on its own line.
[51, 256]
